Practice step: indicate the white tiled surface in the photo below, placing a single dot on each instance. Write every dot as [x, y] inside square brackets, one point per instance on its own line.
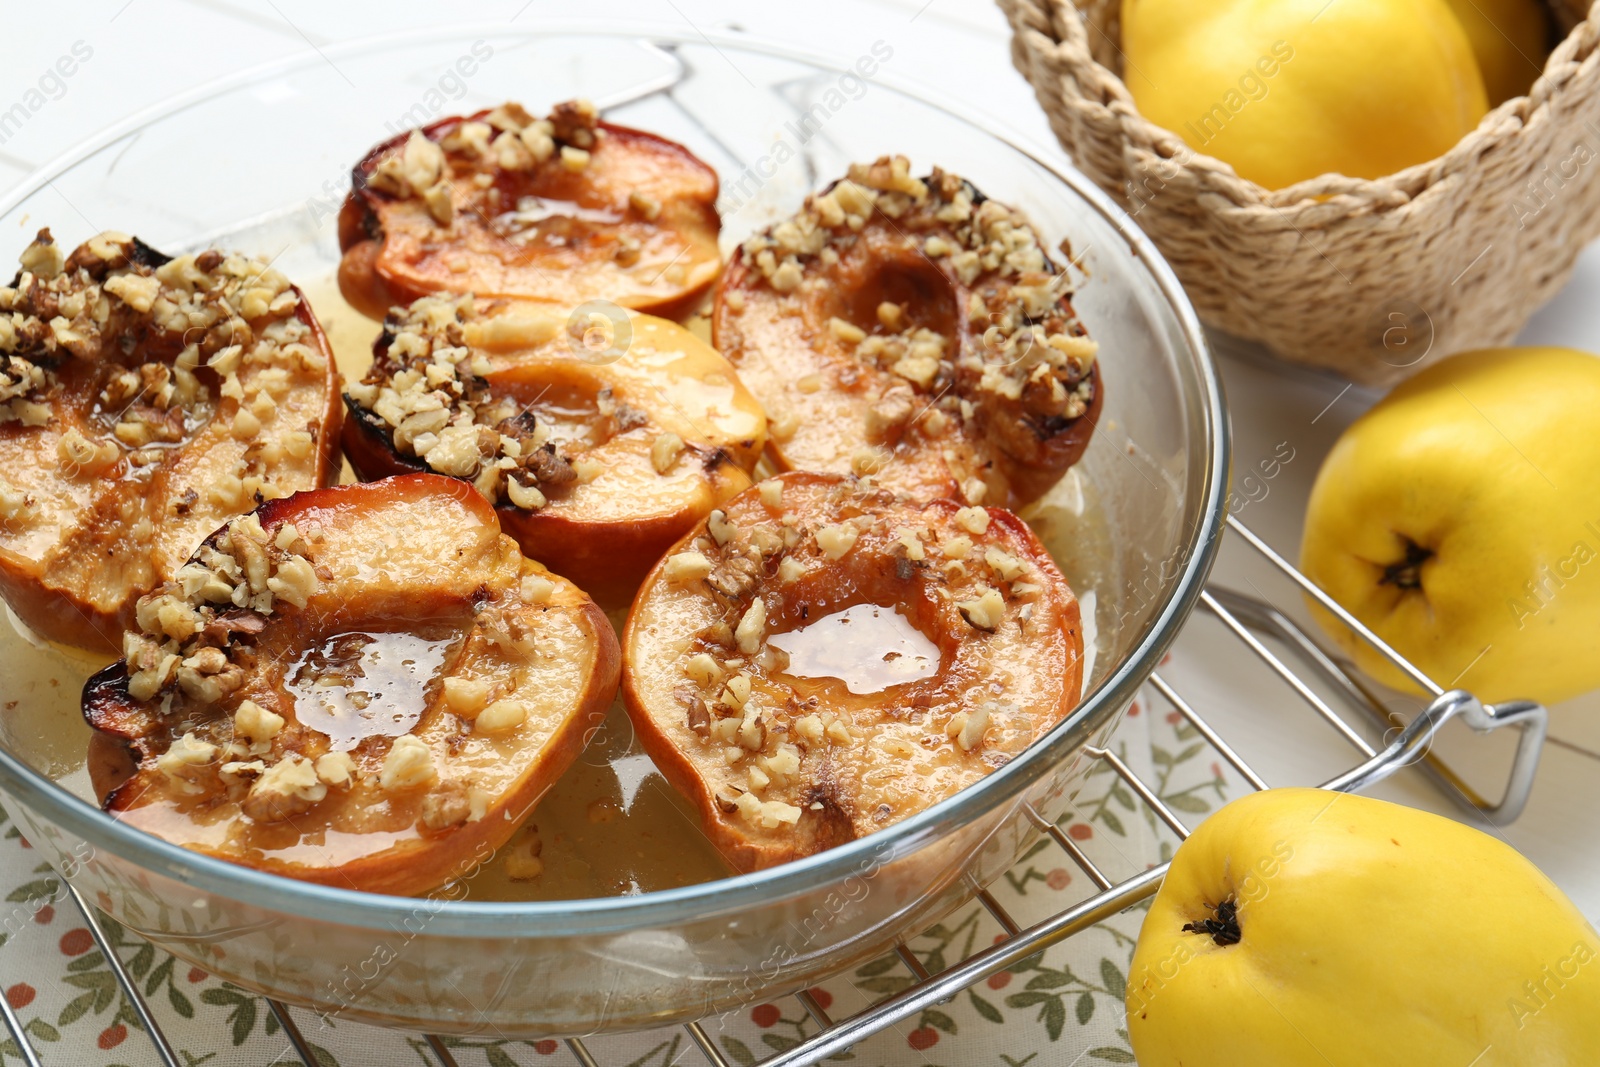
[146, 50]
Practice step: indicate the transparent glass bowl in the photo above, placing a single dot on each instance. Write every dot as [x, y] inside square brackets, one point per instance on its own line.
[260, 162]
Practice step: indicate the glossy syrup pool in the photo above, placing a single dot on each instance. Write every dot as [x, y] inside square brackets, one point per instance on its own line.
[867, 647]
[611, 825]
[356, 685]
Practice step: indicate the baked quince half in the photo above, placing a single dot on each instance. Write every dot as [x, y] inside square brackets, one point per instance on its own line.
[144, 401]
[600, 440]
[822, 658]
[916, 331]
[365, 686]
[565, 209]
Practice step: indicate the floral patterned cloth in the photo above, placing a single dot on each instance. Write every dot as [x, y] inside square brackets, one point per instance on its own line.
[1063, 1007]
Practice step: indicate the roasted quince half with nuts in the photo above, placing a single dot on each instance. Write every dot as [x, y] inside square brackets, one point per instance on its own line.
[567, 209]
[916, 331]
[821, 659]
[144, 401]
[365, 686]
[601, 438]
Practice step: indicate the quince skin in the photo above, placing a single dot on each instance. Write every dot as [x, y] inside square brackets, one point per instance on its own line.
[1460, 520]
[1286, 90]
[1306, 928]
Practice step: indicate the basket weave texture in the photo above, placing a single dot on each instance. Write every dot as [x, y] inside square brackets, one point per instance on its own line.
[1372, 279]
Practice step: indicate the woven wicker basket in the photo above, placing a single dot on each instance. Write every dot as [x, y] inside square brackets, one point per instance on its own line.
[1372, 279]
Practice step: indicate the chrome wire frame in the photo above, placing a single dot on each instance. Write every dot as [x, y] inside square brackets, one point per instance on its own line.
[1254, 622]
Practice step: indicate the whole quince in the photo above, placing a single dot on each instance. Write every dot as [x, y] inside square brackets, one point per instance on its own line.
[1459, 518]
[1510, 39]
[1286, 90]
[1304, 928]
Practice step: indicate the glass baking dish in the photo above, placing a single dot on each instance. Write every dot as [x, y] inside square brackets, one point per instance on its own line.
[260, 161]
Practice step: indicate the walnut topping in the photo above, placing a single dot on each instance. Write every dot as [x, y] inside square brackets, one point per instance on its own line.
[752, 628]
[465, 696]
[574, 159]
[1005, 566]
[973, 520]
[188, 626]
[82, 458]
[767, 814]
[114, 296]
[336, 769]
[985, 612]
[428, 392]
[408, 765]
[255, 725]
[501, 717]
[719, 527]
[1023, 345]
[703, 670]
[835, 541]
[664, 452]
[450, 804]
[647, 206]
[966, 728]
[287, 788]
[685, 567]
[188, 764]
[537, 589]
[16, 506]
[956, 547]
[506, 138]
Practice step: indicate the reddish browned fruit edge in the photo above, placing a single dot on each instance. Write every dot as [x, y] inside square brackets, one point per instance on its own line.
[113, 714]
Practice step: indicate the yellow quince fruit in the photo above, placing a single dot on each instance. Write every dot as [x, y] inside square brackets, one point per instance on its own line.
[1305, 928]
[1286, 90]
[1510, 39]
[1459, 519]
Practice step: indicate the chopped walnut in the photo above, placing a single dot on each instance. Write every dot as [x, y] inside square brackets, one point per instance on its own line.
[188, 626]
[446, 806]
[336, 769]
[408, 765]
[428, 391]
[752, 628]
[189, 763]
[664, 452]
[836, 541]
[985, 612]
[1026, 346]
[256, 726]
[466, 697]
[683, 567]
[500, 717]
[287, 788]
[506, 138]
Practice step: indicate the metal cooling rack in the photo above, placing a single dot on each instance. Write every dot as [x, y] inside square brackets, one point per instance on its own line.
[1254, 623]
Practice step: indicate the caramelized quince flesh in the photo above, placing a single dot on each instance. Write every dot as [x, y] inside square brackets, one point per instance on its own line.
[459, 677]
[912, 330]
[149, 434]
[636, 224]
[617, 449]
[822, 659]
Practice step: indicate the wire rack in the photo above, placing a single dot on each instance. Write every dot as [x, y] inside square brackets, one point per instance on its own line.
[1260, 627]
